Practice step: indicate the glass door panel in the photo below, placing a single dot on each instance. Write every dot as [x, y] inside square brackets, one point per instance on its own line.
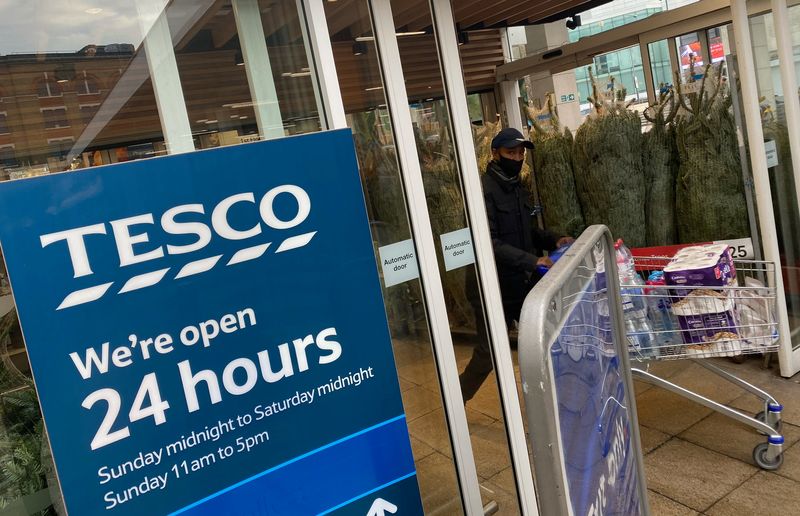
[782, 174]
[362, 88]
[434, 142]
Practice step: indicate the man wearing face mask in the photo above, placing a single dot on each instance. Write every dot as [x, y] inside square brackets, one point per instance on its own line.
[518, 245]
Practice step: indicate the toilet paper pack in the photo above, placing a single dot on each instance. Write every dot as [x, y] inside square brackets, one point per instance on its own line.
[705, 314]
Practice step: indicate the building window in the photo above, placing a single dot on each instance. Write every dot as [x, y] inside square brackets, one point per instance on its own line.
[55, 117]
[88, 111]
[4, 123]
[60, 147]
[87, 84]
[48, 87]
[8, 157]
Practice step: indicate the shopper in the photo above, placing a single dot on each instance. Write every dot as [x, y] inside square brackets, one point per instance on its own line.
[518, 246]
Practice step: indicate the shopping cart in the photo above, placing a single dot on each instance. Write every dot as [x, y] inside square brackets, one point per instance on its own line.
[700, 322]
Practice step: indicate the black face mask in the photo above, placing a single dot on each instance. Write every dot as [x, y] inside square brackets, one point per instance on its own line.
[510, 167]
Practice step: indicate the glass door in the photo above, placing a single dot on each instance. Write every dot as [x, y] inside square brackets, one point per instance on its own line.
[783, 176]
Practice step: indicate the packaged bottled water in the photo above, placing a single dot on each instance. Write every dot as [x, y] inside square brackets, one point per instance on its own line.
[637, 325]
[659, 308]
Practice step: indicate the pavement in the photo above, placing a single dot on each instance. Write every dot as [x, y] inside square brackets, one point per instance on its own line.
[696, 461]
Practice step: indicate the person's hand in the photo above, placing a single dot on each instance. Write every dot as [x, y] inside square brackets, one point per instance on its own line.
[565, 241]
[546, 261]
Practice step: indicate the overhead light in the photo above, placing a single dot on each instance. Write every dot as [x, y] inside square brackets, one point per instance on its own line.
[242, 117]
[374, 88]
[359, 48]
[94, 10]
[209, 122]
[239, 58]
[201, 121]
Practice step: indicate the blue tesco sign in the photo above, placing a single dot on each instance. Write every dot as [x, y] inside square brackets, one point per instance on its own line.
[207, 334]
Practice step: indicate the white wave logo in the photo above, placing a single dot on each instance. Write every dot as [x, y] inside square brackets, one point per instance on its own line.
[220, 225]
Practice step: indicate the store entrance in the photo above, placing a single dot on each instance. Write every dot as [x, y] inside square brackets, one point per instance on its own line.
[677, 57]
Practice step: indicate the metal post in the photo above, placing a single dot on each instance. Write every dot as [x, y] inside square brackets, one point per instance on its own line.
[397, 99]
[323, 67]
[164, 76]
[791, 103]
[647, 68]
[758, 161]
[456, 94]
[705, 47]
[510, 92]
[258, 67]
[674, 58]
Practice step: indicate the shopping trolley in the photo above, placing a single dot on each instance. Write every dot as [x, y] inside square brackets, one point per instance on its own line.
[700, 322]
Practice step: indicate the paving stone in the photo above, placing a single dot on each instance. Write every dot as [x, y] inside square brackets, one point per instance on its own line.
[641, 387]
[766, 494]
[490, 447]
[700, 380]
[421, 372]
[729, 437]
[666, 368]
[438, 485]
[791, 459]
[505, 480]
[431, 429]
[662, 506]
[507, 502]
[420, 449]
[419, 401]
[694, 476]
[487, 399]
[662, 410]
[786, 392]
[651, 439]
[405, 385]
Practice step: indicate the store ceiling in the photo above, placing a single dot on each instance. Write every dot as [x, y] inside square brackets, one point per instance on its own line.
[348, 19]
[414, 15]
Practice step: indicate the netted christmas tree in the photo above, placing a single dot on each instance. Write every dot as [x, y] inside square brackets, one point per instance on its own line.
[552, 170]
[710, 197]
[660, 162]
[607, 161]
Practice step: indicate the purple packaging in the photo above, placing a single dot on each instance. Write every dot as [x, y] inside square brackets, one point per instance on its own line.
[703, 328]
[703, 313]
[700, 266]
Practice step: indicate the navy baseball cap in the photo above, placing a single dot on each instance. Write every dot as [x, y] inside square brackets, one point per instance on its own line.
[510, 138]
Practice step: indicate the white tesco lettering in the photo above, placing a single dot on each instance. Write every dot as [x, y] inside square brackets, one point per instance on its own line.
[76, 246]
[173, 227]
[129, 242]
[125, 241]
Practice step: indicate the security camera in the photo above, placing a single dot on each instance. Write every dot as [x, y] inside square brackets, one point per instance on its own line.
[574, 22]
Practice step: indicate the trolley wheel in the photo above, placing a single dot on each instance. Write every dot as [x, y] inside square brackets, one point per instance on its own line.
[760, 457]
[778, 427]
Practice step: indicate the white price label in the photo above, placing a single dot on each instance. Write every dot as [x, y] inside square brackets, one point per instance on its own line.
[741, 248]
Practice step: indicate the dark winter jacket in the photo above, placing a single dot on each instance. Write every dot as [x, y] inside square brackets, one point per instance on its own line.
[517, 241]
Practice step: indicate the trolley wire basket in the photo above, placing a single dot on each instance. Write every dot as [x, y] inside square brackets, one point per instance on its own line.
[666, 322]
[702, 321]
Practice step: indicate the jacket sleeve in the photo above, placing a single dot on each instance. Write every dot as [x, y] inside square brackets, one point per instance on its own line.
[504, 253]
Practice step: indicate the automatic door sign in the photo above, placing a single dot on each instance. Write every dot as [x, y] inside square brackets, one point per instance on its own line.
[207, 334]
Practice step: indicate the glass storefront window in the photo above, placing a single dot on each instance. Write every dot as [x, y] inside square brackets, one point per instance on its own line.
[77, 90]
